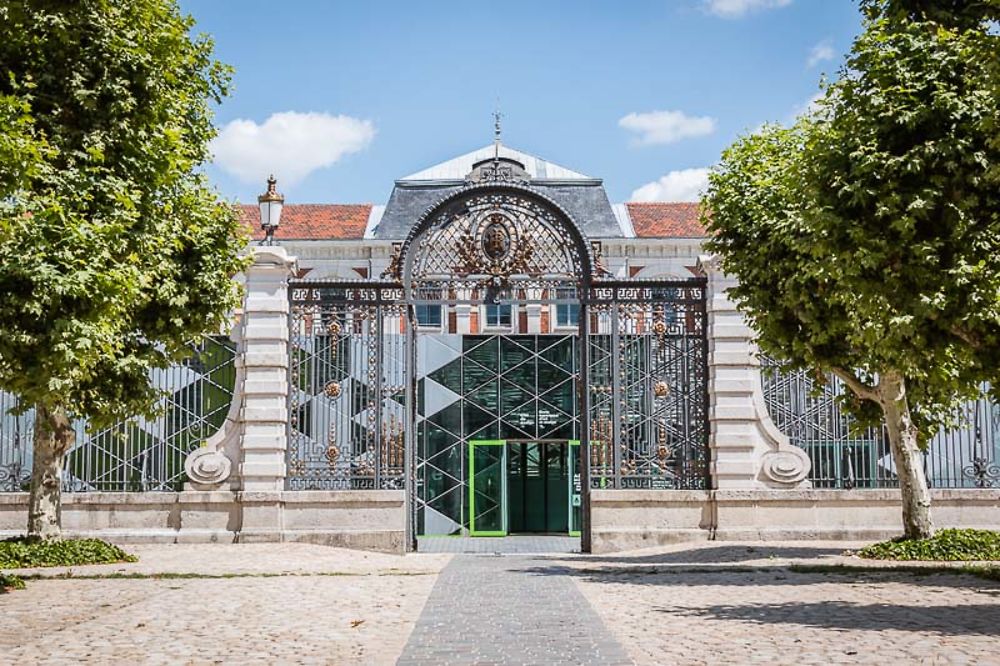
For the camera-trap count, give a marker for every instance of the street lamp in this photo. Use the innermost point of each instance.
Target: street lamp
(270, 204)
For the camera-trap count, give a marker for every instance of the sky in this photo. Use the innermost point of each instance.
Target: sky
(338, 99)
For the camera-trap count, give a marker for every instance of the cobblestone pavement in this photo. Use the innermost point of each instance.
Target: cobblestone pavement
(255, 558)
(485, 610)
(268, 603)
(709, 603)
(739, 604)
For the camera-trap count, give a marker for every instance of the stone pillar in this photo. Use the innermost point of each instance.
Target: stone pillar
(748, 451)
(265, 387)
(534, 312)
(463, 318)
(258, 412)
(264, 423)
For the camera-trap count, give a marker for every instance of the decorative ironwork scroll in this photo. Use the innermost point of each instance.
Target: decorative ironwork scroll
(138, 454)
(347, 394)
(965, 456)
(496, 241)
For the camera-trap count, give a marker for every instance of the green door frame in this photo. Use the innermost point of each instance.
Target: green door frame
(473, 443)
(569, 455)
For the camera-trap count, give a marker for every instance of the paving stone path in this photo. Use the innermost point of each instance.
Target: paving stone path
(524, 544)
(710, 603)
(489, 609)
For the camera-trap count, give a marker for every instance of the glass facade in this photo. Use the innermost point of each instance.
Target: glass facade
(517, 389)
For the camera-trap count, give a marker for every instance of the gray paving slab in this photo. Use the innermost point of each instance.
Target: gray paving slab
(499, 609)
(533, 544)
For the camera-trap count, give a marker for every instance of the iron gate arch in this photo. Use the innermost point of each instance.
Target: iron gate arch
(358, 398)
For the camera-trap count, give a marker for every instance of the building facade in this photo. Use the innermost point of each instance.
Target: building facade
(496, 350)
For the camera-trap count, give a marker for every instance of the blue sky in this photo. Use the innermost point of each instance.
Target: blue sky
(644, 94)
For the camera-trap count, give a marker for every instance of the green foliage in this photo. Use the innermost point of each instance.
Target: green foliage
(952, 545)
(866, 238)
(8, 582)
(115, 253)
(19, 552)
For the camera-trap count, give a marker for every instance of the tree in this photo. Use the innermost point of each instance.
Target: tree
(115, 254)
(866, 238)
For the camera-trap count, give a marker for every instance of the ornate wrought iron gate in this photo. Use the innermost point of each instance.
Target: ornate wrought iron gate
(647, 384)
(381, 398)
(348, 390)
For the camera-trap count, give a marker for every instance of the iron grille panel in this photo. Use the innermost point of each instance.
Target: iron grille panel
(137, 454)
(647, 383)
(962, 457)
(347, 387)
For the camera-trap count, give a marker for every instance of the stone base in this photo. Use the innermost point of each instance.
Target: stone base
(362, 519)
(632, 519)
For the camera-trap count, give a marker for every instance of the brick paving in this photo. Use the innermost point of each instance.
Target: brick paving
(487, 610)
(709, 603)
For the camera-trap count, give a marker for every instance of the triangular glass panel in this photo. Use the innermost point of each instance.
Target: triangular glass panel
(515, 351)
(449, 375)
(486, 354)
(486, 396)
(512, 396)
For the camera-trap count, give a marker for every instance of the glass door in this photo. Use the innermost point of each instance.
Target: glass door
(488, 487)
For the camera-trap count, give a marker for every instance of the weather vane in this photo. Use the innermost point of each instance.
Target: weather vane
(496, 132)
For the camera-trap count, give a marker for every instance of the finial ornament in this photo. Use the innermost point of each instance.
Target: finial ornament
(496, 132)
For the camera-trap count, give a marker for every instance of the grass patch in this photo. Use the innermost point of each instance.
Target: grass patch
(168, 575)
(8, 583)
(21, 553)
(951, 545)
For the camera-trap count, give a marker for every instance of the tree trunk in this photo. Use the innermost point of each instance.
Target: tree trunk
(907, 456)
(53, 438)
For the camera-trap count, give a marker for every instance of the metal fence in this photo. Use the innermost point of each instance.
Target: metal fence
(965, 456)
(137, 454)
(347, 393)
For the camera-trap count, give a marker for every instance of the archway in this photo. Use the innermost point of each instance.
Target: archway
(493, 276)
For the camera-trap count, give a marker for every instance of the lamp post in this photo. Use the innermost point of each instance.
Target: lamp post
(270, 204)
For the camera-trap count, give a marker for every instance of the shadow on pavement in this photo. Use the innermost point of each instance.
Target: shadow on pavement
(976, 619)
(739, 575)
(721, 554)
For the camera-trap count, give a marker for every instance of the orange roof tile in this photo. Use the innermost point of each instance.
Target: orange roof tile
(666, 220)
(313, 221)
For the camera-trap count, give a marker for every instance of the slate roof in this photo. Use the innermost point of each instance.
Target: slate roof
(666, 220)
(313, 221)
(586, 202)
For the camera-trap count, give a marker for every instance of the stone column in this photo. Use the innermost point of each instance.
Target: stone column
(265, 388)
(463, 318)
(533, 311)
(748, 451)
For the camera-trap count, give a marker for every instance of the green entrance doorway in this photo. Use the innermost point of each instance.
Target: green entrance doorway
(518, 487)
(538, 484)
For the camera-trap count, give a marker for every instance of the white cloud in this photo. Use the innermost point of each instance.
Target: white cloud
(683, 185)
(660, 127)
(290, 145)
(738, 8)
(820, 52)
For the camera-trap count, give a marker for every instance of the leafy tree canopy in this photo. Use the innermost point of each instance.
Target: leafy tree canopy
(115, 254)
(866, 238)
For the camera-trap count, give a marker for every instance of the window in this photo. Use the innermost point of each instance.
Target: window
(567, 314)
(498, 316)
(428, 315)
